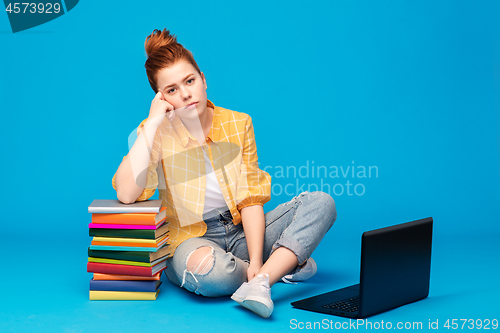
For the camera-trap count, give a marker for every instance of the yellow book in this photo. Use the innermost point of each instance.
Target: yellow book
(129, 240)
(98, 295)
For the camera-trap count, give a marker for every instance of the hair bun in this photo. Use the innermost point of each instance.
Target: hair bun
(158, 39)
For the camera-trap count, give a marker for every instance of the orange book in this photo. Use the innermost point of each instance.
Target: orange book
(113, 277)
(130, 218)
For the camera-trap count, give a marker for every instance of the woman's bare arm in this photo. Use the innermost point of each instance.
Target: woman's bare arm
(131, 176)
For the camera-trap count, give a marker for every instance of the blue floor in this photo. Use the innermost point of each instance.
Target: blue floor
(46, 290)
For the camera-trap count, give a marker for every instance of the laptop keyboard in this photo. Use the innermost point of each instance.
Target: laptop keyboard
(345, 305)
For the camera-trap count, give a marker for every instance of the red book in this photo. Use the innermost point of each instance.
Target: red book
(97, 267)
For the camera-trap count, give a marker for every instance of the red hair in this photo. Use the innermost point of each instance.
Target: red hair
(164, 51)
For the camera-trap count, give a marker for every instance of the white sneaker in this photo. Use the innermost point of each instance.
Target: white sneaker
(302, 273)
(256, 296)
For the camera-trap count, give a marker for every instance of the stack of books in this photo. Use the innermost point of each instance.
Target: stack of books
(128, 251)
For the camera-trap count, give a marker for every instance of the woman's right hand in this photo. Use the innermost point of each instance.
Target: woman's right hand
(159, 108)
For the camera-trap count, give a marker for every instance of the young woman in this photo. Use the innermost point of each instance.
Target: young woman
(203, 160)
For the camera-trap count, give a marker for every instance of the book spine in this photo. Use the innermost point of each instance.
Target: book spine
(95, 267)
(122, 248)
(122, 210)
(124, 233)
(121, 262)
(121, 255)
(99, 295)
(128, 244)
(124, 218)
(150, 286)
(123, 226)
(116, 277)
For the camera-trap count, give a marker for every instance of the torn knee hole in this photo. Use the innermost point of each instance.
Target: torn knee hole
(201, 260)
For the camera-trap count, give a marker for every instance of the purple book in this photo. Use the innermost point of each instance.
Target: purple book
(109, 285)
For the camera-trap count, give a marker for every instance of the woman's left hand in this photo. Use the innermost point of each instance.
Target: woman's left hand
(253, 269)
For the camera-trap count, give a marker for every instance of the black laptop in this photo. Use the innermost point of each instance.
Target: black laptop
(395, 270)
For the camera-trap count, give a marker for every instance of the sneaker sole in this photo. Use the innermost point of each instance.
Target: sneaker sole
(307, 276)
(237, 299)
(258, 305)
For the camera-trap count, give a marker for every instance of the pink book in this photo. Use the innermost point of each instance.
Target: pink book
(122, 226)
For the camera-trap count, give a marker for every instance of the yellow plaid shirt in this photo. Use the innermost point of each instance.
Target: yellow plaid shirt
(181, 180)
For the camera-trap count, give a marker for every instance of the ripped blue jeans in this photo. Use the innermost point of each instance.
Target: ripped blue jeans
(298, 225)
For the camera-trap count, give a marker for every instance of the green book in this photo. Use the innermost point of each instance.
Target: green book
(129, 233)
(120, 262)
(138, 256)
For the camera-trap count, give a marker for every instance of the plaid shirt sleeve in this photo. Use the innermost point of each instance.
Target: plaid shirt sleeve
(254, 184)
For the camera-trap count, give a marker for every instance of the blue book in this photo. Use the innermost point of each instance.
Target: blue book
(107, 285)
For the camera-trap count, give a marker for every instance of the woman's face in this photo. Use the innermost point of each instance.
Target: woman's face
(181, 86)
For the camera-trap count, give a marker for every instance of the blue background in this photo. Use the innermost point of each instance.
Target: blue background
(409, 87)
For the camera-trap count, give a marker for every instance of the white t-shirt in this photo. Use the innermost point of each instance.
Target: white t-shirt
(213, 194)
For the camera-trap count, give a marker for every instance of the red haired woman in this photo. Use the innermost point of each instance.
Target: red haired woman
(203, 160)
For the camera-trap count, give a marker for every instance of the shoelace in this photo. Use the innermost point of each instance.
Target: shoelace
(287, 281)
(264, 286)
(266, 289)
